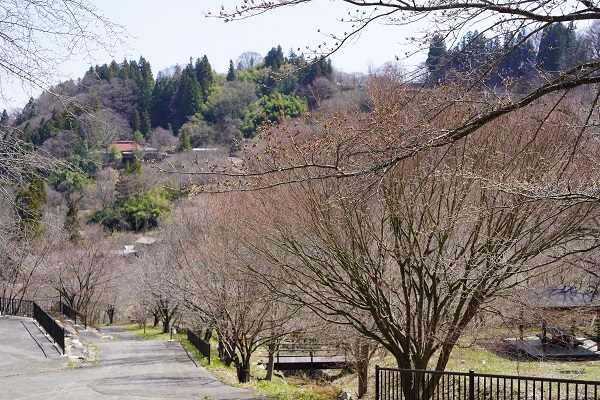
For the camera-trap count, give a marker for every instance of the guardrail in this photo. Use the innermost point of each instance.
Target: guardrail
(72, 314)
(402, 384)
(13, 306)
(53, 329)
(202, 346)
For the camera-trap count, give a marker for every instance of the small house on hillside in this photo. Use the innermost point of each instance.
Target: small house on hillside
(127, 148)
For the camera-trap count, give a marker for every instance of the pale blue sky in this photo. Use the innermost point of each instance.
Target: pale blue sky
(170, 32)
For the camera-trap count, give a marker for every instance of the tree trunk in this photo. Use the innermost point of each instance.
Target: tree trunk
(207, 334)
(166, 320)
(225, 355)
(243, 370)
(110, 311)
(363, 369)
(271, 362)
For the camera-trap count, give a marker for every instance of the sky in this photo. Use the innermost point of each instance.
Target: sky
(169, 32)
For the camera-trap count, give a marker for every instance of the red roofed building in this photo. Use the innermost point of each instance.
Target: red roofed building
(126, 148)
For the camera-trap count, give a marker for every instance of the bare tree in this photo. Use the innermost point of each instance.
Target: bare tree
(248, 60)
(592, 40)
(37, 37)
(102, 194)
(102, 128)
(410, 256)
(20, 271)
(154, 296)
(82, 273)
(17, 163)
(501, 21)
(201, 267)
(162, 140)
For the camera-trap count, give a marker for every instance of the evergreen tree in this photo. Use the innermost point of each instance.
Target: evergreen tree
(146, 125)
(72, 222)
(37, 189)
(4, 118)
(136, 122)
(518, 63)
(185, 140)
(29, 111)
(293, 58)
(436, 59)
(230, 73)
(28, 204)
(163, 100)
(274, 58)
(316, 69)
(145, 83)
(124, 70)
(133, 167)
(472, 55)
(102, 72)
(553, 50)
(188, 100)
(205, 77)
(113, 70)
(121, 191)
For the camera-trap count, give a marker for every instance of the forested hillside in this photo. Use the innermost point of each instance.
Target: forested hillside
(211, 108)
(184, 107)
(191, 106)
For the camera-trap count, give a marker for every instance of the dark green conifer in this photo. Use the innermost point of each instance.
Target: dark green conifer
(72, 222)
(28, 204)
(4, 118)
(205, 77)
(436, 59)
(557, 45)
(185, 141)
(136, 122)
(231, 72)
(146, 125)
(274, 58)
(188, 100)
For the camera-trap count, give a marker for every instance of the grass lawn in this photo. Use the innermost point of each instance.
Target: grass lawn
(154, 333)
(484, 358)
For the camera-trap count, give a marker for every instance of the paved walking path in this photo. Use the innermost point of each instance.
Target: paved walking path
(123, 368)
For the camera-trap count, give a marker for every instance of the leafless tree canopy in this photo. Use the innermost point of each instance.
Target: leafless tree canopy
(82, 273)
(497, 20)
(38, 36)
(409, 256)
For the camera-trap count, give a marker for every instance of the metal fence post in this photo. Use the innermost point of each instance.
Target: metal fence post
(471, 385)
(377, 382)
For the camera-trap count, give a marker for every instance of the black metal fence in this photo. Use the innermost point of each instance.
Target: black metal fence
(202, 346)
(20, 307)
(399, 384)
(53, 329)
(72, 314)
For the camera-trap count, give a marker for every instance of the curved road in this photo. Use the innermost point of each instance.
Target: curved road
(126, 368)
